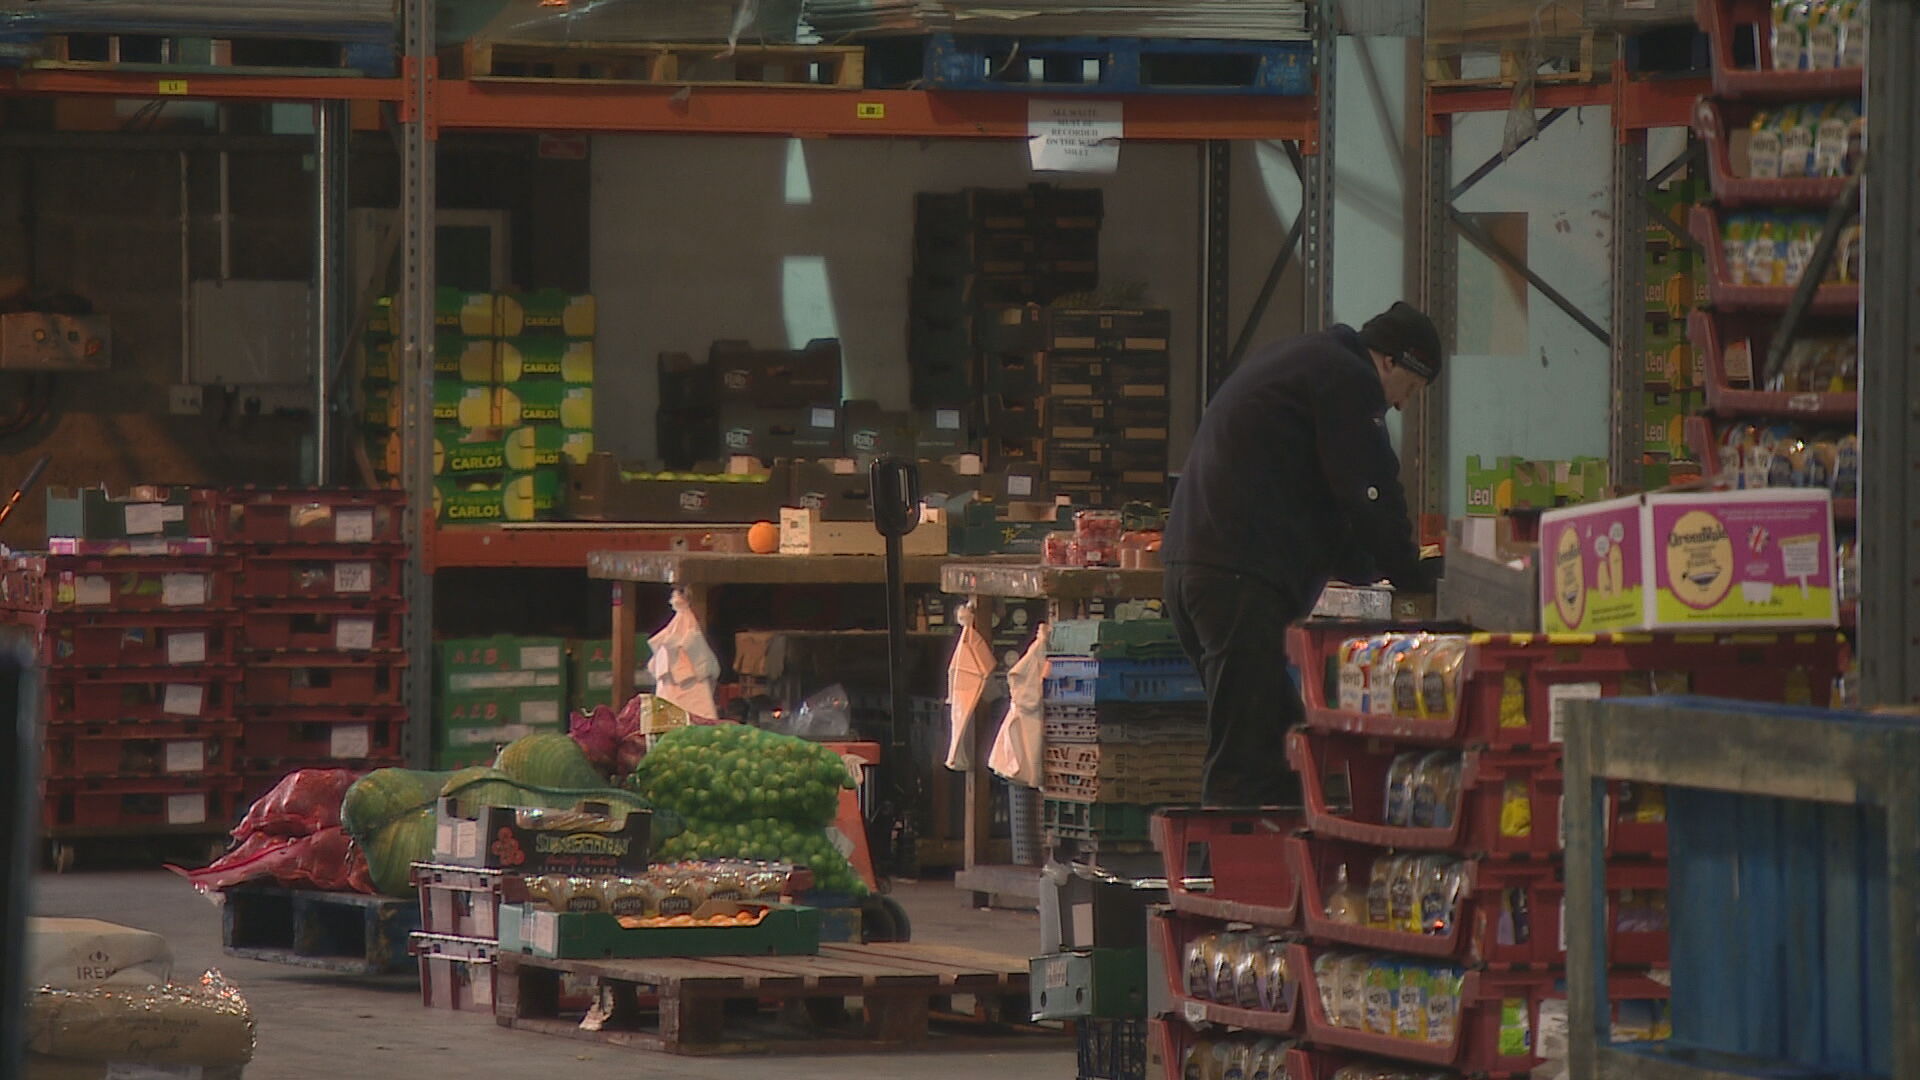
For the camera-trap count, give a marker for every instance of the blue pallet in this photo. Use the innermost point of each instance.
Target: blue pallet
(1073, 680)
(1778, 912)
(1095, 65)
(364, 49)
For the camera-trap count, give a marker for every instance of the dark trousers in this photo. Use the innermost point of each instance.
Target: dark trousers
(1234, 628)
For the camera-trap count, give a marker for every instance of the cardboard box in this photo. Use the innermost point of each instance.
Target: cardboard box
(1533, 484)
(551, 404)
(461, 737)
(471, 314)
(803, 532)
(459, 358)
(545, 359)
(777, 378)
(1489, 488)
(1690, 561)
(144, 512)
(590, 670)
(490, 498)
(777, 434)
(836, 488)
(78, 954)
(600, 490)
(546, 313)
(687, 385)
(498, 654)
(786, 930)
(493, 837)
(460, 450)
(463, 404)
(871, 431)
(939, 432)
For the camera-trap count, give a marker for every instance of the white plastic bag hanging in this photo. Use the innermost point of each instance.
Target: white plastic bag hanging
(1021, 745)
(967, 676)
(683, 665)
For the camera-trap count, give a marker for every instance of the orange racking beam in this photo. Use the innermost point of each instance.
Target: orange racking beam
(190, 85)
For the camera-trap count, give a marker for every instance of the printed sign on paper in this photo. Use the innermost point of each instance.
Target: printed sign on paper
(1074, 136)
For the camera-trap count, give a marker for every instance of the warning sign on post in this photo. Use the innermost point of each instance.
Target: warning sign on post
(1074, 136)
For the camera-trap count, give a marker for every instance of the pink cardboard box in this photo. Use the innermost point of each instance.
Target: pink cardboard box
(1690, 561)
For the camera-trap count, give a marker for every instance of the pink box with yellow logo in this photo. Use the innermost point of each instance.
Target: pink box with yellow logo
(1717, 560)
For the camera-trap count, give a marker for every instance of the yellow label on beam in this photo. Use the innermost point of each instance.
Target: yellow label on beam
(870, 110)
(173, 86)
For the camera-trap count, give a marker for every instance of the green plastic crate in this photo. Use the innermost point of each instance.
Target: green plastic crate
(1109, 639)
(1113, 823)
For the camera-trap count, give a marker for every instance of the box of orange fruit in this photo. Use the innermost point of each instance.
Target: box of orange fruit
(715, 928)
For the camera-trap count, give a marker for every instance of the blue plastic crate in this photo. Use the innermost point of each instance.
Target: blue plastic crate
(1097, 65)
(1075, 680)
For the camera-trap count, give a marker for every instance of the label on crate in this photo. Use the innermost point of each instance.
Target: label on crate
(1056, 973)
(187, 756)
(483, 916)
(824, 418)
(1554, 1042)
(1195, 1012)
(353, 526)
(1019, 486)
(350, 741)
(466, 839)
(187, 647)
(144, 518)
(352, 577)
(92, 590)
(189, 808)
(539, 657)
(540, 713)
(1558, 695)
(147, 547)
(543, 931)
(183, 590)
(1563, 924)
(183, 699)
(355, 634)
(482, 982)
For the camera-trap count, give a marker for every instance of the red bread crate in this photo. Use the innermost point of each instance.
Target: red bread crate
(455, 972)
(312, 516)
(1477, 825)
(324, 738)
(149, 804)
(1512, 686)
(1829, 299)
(1244, 850)
(1476, 1046)
(1172, 931)
(1635, 813)
(460, 900)
(1169, 1042)
(1483, 931)
(323, 679)
(1728, 20)
(128, 750)
(150, 639)
(119, 583)
(1712, 333)
(323, 626)
(379, 574)
(1636, 915)
(140, 695)
(1715, 122)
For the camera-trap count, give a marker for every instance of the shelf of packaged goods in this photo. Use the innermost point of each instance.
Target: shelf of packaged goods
(1700, 440)
(532, 106)
(1828, 300)
(1715, 122)
(564, 545)
(200, 84)
(1703, 329)
(1722, 20)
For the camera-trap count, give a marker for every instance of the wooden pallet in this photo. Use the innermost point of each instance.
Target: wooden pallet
(906, 1000)
(348, 933)
(1589, 62)
(788, 66)
(177, 54)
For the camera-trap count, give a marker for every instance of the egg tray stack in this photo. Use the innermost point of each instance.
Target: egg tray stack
(1431, 867)
(136, 644)
(321, 586)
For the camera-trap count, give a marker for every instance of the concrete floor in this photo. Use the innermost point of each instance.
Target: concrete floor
(313, 1025)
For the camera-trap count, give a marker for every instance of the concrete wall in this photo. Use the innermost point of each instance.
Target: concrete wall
(778, 240)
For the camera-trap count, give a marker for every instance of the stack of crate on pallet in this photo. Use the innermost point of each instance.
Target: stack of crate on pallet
(322, 585)
(133, 624)
(1125, 729)
(1083, 393)
(1429, 878)
(493, 690)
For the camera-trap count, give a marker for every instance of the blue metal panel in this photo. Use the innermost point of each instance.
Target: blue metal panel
(1843, 957)
(1802, 925)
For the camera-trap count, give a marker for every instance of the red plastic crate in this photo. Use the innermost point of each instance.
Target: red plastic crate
(312, 516)
(1828, 299)
(1476, 826)
(1710, 333)
(1171, 933)
(1511, 684)
(324, 626)
(1168, 1042)
(378, 575)
(1626, 835)
(302, 679)
(152, 639)
(336, 739)
(119, 583)
(1723, 19)
(1628, 945)
(459, 900)
(134, 807)
(1243, 850)
(1476, 1046)
(1715, 122)
(139, 695)
(127, 750)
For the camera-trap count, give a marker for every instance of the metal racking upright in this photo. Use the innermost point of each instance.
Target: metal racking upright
(430, 105)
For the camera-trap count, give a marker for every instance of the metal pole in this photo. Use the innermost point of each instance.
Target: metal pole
(327, 204)
(1423, 459)
(1628, 405)
(1317, 196)
(416, 343)
(1889, 639)
(1215, 316)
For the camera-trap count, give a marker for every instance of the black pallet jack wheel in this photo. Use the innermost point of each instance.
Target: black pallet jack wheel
(883, 919)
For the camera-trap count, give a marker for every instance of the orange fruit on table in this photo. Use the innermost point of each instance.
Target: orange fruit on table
(763, 538)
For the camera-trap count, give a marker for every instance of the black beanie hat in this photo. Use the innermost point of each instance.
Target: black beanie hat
(1404, 328)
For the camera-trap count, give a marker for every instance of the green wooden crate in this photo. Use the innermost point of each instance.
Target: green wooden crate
(574, 935)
